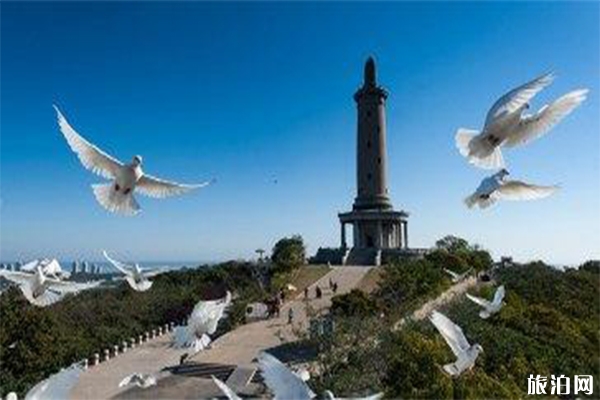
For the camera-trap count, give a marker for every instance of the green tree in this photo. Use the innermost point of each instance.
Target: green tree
(288, 254)
(452, 244)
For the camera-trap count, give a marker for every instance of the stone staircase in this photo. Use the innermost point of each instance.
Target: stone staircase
(366, 256)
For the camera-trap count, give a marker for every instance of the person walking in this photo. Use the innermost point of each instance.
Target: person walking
(335, 287)
(290, 316)
(318, 292)
(306, 293)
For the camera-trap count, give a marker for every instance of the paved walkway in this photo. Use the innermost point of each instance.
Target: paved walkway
(243, 344)
(238, 347)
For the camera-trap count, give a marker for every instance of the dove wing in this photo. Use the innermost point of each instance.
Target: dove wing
(281, 380)
(30, 266)
(90, 156)
(69, 287)
(451, 273)
(151, 186)
(517, 190)
(155, 271)
(517, 98)
(18, 277)
(534, 126)
(230, 394)
(47, 298)
(478, 300)
(122, 267)
(57, 386)
(451, 332)
(499, 295)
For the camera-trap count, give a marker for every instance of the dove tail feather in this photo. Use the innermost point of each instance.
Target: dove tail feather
(45, 299)
(463, 139)
(451, 369)
(114, 201)
(471, 200)
(479, 152)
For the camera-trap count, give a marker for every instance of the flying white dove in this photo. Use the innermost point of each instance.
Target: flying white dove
(202, 322)
(49, 267)
(456, 277)
(141, 380)
(287, 384)
(492, 307)
(57, 386)
(227, 391)
(137, 278)
(495, 187)
(117, 196)
(42, 290)
(507, 125)
(465, 353)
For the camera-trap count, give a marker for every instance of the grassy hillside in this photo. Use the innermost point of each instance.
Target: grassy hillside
(549, 325)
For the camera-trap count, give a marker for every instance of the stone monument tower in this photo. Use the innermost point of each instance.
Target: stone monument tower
(377, 228)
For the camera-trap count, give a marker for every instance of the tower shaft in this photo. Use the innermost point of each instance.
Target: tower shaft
(371, 157)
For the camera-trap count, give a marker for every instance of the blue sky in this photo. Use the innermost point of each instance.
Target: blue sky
(245, 92)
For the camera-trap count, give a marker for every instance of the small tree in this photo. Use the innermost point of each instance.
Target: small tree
(473, 255)
(288, 254)
(452, 244)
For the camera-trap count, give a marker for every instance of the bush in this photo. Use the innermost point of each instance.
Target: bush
(356, 303)
(404, 285)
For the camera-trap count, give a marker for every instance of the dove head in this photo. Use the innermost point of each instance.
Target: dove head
(137, 160)
(502, 173)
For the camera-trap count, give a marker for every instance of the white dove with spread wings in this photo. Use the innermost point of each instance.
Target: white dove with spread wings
(202, 322)
(117, 196)
(137, 277)
(492, 307)
(507, 125)
(465, 353)
(496, 187)
(41, 290)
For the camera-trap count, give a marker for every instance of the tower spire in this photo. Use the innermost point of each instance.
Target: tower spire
(370, 74)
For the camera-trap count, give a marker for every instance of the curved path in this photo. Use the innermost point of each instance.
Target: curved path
(238, 347)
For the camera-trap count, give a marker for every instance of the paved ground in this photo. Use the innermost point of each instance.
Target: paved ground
(238, 347)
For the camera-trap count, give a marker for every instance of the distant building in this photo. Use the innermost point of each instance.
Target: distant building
(378, 231)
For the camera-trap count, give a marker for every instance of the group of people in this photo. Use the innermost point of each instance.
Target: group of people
(333, 286)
